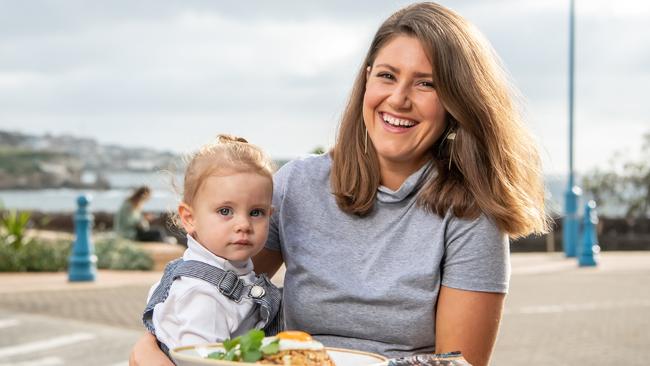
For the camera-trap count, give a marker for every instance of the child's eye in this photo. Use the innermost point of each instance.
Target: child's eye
(225, 211)
(257, 212)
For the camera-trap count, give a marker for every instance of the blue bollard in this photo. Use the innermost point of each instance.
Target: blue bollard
(589, 241)
(571, 222)
(82, 264)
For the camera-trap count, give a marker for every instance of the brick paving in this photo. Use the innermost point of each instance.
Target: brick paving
(578, 316)
(556, 313)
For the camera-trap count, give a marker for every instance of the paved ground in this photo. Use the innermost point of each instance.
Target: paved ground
(556, 314)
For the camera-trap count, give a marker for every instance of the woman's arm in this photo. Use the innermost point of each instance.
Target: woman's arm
(267, 261)
(468, 321)
(146, 352)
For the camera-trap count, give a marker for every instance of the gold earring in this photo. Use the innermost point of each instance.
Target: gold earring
(451, 136)
(365, 142)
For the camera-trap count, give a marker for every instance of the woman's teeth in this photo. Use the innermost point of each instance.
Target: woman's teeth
(397, 121)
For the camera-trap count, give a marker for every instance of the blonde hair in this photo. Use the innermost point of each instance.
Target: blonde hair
(492, 165)
(228, 155)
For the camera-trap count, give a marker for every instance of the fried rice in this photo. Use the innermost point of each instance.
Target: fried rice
(299, 358)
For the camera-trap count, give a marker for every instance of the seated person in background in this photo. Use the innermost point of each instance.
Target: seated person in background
(129, 221)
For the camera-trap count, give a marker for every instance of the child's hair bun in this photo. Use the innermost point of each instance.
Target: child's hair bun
(224, 139)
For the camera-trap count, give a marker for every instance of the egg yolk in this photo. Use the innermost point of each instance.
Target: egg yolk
(294, 335)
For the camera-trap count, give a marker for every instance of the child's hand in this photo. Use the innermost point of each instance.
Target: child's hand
(146, 353)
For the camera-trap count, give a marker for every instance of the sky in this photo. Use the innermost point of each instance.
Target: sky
(171, 75)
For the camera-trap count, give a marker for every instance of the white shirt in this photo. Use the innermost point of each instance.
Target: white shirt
(195, 312)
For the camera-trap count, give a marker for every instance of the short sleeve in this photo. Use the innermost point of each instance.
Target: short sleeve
(280, 182)
(477, 256)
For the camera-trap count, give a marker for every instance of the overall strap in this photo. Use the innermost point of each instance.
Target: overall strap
(262, 292)
(160, 293)
(270, 306)
(227, 282)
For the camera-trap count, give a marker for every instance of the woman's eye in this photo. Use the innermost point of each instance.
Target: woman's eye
(427, 84)
(257, 212)
(386, 75)
(225, 211)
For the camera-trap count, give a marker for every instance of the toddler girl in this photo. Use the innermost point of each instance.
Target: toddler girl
(212, 293)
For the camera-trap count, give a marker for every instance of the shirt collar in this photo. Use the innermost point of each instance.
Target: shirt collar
(410, 185)
(196, 251)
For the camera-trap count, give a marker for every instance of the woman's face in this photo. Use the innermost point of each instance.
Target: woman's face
(401, 109)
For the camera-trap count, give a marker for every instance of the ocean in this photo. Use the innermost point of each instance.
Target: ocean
(64, 200)
(163, 195)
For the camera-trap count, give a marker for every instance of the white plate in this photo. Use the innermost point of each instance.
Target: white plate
(195, 356)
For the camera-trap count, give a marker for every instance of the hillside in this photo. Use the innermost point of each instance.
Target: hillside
(49, 161)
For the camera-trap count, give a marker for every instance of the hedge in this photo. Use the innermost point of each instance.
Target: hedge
(50, 256)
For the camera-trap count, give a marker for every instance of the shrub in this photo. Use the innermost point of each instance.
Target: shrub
(13, 227)
(35, 256)
(121, 254)
(39, 255)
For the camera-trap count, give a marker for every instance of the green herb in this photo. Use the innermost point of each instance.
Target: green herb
(216, 355)
(250, 344)
(271, 348)
(246, 348)
(251, 356)
(229, 344)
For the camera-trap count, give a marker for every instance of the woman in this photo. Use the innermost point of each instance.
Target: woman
(130, 223)
(397, 241)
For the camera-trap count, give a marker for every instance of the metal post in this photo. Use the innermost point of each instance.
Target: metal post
(589, 241)
(570, 221)
(82, 264)
(550, 242)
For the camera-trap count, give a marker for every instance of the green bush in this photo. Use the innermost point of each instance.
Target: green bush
(35, 256)
(121, 254)
(51, 256)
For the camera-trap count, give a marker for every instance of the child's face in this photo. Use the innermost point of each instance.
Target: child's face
(230, 215)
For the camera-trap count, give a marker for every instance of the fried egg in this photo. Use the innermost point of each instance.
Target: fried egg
(295, 340)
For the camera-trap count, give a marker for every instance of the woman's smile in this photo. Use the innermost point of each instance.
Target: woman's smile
(394, 123)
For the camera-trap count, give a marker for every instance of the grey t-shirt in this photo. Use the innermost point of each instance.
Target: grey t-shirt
(372, 283)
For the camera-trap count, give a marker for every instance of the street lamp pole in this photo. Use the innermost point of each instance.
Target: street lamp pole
(570, 221)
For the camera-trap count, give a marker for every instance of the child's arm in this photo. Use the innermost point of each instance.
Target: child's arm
(146, 353)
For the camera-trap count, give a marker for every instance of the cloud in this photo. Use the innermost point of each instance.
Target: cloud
(172, 74)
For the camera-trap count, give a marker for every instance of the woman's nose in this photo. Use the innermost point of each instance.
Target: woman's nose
(399, 98)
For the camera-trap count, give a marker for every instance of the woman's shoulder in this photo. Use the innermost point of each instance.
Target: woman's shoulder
(479, 222)
(306, 167)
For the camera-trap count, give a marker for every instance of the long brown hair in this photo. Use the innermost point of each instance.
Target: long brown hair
(492, 165)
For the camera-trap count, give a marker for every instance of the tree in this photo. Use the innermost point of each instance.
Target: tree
(624, 183)
(318, 150)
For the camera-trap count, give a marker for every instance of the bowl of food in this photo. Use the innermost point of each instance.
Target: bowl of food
(293, 348)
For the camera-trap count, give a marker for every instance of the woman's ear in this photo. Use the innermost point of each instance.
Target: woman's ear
(187, 217)
(368, 72)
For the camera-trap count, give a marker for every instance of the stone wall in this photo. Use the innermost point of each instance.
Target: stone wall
(613, 234)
